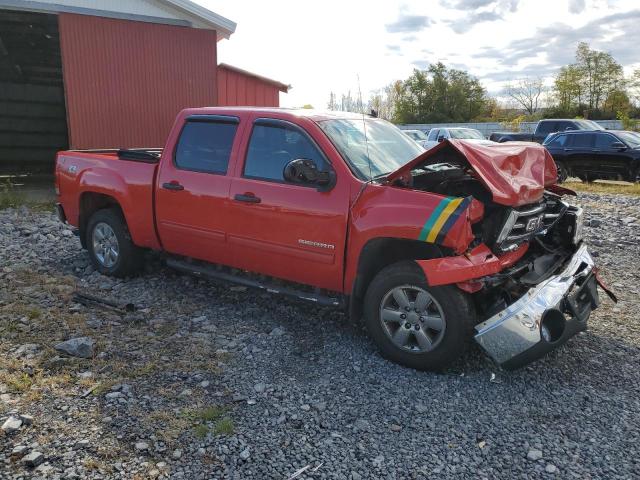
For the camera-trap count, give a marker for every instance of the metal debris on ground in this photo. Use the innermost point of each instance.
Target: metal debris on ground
(92, 301)
(300, 471)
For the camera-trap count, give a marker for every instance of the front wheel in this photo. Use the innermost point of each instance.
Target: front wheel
(422, 327)
(562, 172)
(111, 249)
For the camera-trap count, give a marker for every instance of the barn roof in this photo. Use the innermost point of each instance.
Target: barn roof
(283, 87)
(174, 12)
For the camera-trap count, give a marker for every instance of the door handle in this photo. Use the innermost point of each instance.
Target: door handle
(172, 186)
(247, 197)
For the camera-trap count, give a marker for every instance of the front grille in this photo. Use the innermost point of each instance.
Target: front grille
(524, 223)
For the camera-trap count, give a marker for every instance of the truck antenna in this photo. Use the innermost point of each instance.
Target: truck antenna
(364, 127)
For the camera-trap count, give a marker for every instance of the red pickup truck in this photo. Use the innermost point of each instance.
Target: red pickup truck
(430, 248)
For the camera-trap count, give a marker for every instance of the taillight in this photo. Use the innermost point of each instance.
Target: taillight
(56, 177)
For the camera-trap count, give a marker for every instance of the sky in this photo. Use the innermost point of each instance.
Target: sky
(339, 46)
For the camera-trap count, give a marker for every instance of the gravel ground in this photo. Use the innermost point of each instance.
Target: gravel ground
(214, 381)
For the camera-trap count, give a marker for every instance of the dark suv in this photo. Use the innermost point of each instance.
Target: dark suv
(609, 155)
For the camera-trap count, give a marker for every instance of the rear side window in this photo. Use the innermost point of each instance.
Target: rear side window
(273, 145)
(433, 134)
(205, 146)
(583, 140)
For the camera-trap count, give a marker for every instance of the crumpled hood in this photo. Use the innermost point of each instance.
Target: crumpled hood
(516, 173)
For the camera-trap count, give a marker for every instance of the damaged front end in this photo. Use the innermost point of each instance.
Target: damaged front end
(544, 317)
(531, 277)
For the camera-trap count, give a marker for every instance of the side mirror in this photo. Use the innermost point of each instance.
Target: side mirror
(305, 171)
(618, 146)
(440, 138)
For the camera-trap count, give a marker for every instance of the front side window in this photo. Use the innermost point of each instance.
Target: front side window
(205, 146)
(433, 134)
(559, 141)
(604, 141)
(589, 125)
(547, 127)
(273, 145)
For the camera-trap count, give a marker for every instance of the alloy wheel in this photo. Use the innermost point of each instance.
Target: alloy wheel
(412, 319)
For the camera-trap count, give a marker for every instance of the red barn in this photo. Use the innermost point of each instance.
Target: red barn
(92, 74)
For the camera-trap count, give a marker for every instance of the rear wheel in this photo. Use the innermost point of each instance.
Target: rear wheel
(415, 325)
(110, 247)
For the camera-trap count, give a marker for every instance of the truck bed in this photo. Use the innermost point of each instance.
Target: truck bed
(128, 175)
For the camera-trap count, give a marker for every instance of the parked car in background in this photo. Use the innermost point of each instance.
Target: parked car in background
(437, 135)
(608, 155)
(417, 135)
(544, 128)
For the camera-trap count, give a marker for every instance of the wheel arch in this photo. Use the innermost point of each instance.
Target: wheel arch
(378, 253)
(91, 202)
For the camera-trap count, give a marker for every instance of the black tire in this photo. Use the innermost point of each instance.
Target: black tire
(129, 258)
(456, 306)
(562, 172)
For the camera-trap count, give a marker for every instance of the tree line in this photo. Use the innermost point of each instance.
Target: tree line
(594, 87)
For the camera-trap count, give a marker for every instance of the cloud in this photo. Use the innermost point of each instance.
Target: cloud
(576, 6)
(615, 33)
(471, 5)
(393, 48)
(478, 11)
(465, 24)
(408, 23)
(421, 64)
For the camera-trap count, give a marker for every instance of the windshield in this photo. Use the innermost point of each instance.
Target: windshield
(630, 138)
(589, 125)
(386, 148)
(465, 133)
(416, 134)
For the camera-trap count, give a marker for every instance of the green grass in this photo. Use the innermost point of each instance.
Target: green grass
(212, 414)
(224, 427)
(19, 383)
(12, 198)
(600, 187)
(201, 430)
(9, 197)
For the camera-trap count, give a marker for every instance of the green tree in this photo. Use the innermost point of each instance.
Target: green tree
(594, 86)
(600, 74)
(568, 90)
(617, 102)
(439, 94)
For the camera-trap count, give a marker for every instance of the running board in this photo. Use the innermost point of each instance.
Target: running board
(213, 273)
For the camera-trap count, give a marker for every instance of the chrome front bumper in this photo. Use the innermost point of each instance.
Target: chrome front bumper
(562, 303)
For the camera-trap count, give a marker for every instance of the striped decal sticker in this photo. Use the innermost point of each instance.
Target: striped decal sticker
(442, 219)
